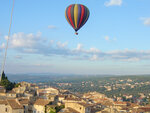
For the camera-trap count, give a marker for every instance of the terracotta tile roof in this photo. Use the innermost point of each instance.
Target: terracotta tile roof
(107, 103)
(14, 104)
(125, 108)
(3, 102)
(133, 105)
(148, 105)
(24, 101)
(41, 102)
(145, 109)
(75, 99)
(85, 104)
(123, 103)
(68, 110)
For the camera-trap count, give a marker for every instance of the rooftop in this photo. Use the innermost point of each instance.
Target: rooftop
(41, 102)
(75, 99)
(24, 101)
(85, 104)
(14, 104)
(3, 102)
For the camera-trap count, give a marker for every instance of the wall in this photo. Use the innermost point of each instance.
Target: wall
(2, 108)
(77, 107)
(38, 108)
(17, 111)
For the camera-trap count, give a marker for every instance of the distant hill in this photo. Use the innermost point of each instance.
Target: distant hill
(47, 77)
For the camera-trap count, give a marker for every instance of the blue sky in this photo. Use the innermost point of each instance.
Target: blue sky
(115, 39)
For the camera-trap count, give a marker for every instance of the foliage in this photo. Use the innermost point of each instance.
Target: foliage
(6, 83)
(58, 108)
(52, 110)
(97, 83)
(17, 85)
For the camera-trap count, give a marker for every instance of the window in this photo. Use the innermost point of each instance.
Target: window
(6, 109)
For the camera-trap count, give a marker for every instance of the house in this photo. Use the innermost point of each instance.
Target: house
(70, 99)
(144, 110)
(26, 105)
(11, 106)
(11, 94)
(20, 89)
(119, 105)
(40, 106)
(61, 97)
(46, 91)
(68, 110)
(50, 97)
(2, 91)
(78, 106)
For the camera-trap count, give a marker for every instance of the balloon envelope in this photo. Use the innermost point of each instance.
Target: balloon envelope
(77, 15)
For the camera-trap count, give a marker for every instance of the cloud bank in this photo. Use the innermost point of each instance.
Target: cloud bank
(36, 44)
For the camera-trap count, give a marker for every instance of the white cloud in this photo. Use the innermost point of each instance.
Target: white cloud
(94, 50)
(134, 59)
(24, 40)
(6, 37)
(146, 21)
(113, 3)
(79, 47)
(52, 27)
(2, 46)
(35, 44)
(94, 57)
(62, 45)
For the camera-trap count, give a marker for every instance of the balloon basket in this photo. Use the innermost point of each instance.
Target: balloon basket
(76, 33)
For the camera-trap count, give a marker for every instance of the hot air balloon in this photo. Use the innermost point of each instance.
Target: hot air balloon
(77, 15)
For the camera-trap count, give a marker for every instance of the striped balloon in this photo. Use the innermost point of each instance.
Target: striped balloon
(77, 15)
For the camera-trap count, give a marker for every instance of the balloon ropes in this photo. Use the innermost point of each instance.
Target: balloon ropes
(5, 55)
(77, 15)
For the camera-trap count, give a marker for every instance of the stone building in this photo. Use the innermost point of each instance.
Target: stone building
(26, 105)
(2, 91)
(79, 107)
(11, 106)
(40, 106)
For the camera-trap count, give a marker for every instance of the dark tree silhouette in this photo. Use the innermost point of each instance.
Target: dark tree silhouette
(6, 83)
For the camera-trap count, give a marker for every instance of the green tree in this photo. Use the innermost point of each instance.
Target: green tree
(52, 110)
(58, 108)
(6, 83)
(3, 76)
